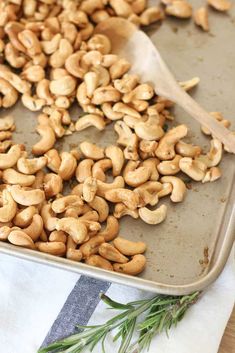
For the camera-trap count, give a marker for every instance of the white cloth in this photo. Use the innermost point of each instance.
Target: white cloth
(32, 295)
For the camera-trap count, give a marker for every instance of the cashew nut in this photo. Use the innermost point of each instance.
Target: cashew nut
(128, 197)
(68, 166)
(214, 156)
(52, 185)
(99, 168)
(90, 120)
(11, 176)
(47, 140)
(100, 42)
(61, 204)
(99, 261)
(53, 160)
(91, 150)
(148, 193)
(31, 166)
(89, 189)
(121, 210)
(35, 228)
(179, 188)
(220, 5)
(135, 175)
(187, 150)
(101, 206)
(91, 247)
(20, 238)
(111, 230)
(133, 267)
(116, 155)
(109, 252)
(9, 159)
(58, 235)
(150, 15)
(63, 86)
(128, 247)
(9, 93)
(6, 123)
(195, 169)
(74, 227)
(170, 167)
(26, 197)
(48, 216)
(33, 103)
(118, 182)
(24, 216)
(53, 248)
(212, 174)
(9, 207)
(153, 217)
(83, 170)
(179, 8)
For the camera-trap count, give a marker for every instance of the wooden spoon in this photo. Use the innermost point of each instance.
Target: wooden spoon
(133, 44)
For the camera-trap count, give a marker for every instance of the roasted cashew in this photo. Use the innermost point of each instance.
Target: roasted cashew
(105, 94)
(179, 8)
(20, 238)
(121, 210)
(187, 85)
(4, 146)
(50, 46)
(47, 140)
(101, 206)
(12, 29)
(33, 103)
(127, 83)
(219, 117)
(116, 155)
(48, 216)
(91, 81)
(99, 42)
(90, 120)
(99, 261)
(212, 174)
(26, 197)
(39, 179)
(121, 8)
(33, 73)
(15, 81)
(135, 175)
(55, 121)
(214, 156)
(119, 68)
(142, 92)
(91, 150)
(153, 217)
(9, 207)
(84, 170)
(147, 148)
(148, 193)
(35, 228)
(53, 160)
(129, 248)
(110, 113)
(91, 247)
(166, 190)
(195, 169)
(73, 254)
(9, 93)
(179, 188)
(68, 166)
(91, 58)
(100, 167)
(91, 6)
(24, 216)
(72, 64)
(170, 167)
(187, 150)
(52, 185)
(58, 235)
(89, 189)
(128, 139)
(43, 91)
(61, 204)
(118, 182)
(5, 231)
(9, 159)
(111, 230)
(58, 58)
(63, 86)
(151, 164)
(31, 166)
(30, 42)
(109, 252)
(149, 130)
(150, 15)
(6, 123)
(128, 197)
(53, 248)
(165, 149)
(133, 267)
(75, 228)
(11, 176)
(220, 5)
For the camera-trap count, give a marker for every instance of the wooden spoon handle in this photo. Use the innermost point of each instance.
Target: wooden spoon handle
(204, 118)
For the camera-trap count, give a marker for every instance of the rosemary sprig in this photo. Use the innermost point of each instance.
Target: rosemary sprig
(161, 313)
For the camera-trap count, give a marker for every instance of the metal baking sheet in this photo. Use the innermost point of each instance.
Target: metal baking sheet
(189, 250)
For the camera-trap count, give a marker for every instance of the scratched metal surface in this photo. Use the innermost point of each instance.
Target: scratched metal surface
(176, 256)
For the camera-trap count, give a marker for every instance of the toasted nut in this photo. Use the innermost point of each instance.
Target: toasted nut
(100, 42)
(214, 156)
(135, 175)
(128, 197)
(148, 193)
(91, 247)
(109, 252)
(9, 159)
(121, 210)
(219, 117)
(26, 197)
(33, 103)
(63, 86)
(179, 8)
(111, 230)
(53, 248)
(133, 267)
(99, 16)
(179, 188)
(34, 73)
(101, 206)
(147, 148)
(68, 166)
(91, 150)
(30, 42)
(25, 216)
(74, 227)
(121, 8)
(119, 68)
(20, 238)
(39, 179)
(58, 235)
(187, 150)
(11, 176)
(165, 149)
(53, 160)
(52, 185)
(220, 5)
(34, 230)
(151, 164)
(128, 139)
(169, 167)
(150, 15)
(6, 123)
(48, 216)
(129, 248)
(58, 58)
(9, 207)
(118, 182)
(116, 155)
(47, 140)
(125, 109)
(187, 85)
(141, 92)
(13, 56)
(5, 231)
(50, 46)
(89, 189)
(43, 92)
(90, 120)
(99, 168)
(63, 203)
(72, 64)
(4, 146)
(92, 58)
(149, 130)
(212, 174)
(9, 93)
(127, 83)
(195, 169)
(153, 217)
(31, 166)
(110, 113)
(166, 190)
(105, 94)
(99, 261)
(74, 254)
(83, 170)
(19, 84)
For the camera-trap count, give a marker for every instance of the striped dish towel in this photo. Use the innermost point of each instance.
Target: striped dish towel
(40, 304)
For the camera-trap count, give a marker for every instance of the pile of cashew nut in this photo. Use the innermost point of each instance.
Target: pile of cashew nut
(51, 58)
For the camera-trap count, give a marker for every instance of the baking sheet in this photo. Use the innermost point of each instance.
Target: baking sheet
(189, 249)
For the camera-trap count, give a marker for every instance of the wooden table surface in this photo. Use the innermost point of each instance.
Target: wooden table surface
(228, 341)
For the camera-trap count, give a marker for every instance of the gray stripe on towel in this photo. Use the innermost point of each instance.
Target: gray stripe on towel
(77, 309)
